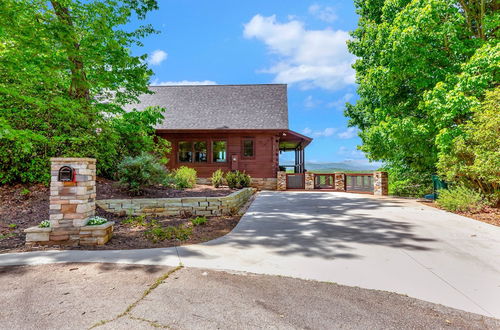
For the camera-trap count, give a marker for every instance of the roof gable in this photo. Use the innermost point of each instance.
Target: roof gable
(219, 106)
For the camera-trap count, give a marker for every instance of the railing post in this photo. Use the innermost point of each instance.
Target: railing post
(340, 181)
(309, 181)
(380, 183)
(281, 182)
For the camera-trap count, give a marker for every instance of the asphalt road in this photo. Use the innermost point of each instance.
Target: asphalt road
(117, 296)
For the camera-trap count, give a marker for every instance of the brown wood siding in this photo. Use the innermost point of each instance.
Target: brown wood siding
(264, 164)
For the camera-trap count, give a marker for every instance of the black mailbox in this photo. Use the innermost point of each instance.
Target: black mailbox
(66, 174)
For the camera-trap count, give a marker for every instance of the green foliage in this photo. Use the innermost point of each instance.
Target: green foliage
(158, 233)
(136, 173)
(422, 67)
(44, 224)
(25, 192)
(140, 221)
(238, 180)
(199, 221)
(8, 235)
(66, 73)
(185, 177)
(461, 199)
(96, 220)
(12, 226)
(474, 156)
(218, 178)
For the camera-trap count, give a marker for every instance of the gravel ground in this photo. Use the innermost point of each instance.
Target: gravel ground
(111, 296)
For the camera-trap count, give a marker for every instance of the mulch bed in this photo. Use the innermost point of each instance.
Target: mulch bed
(107, 189)
(489, 215)
(23, 206)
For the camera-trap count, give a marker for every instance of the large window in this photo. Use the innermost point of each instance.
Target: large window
(219, 149)
(193, 152)
(200, 152)
(248, 148)
(185, 152)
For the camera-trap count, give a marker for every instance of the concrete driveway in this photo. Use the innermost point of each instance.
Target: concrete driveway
(358, 240)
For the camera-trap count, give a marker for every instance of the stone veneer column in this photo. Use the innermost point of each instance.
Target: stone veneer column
(309, 181)
(281, 184)
(340, 181)
(72, 203)
(380, 183)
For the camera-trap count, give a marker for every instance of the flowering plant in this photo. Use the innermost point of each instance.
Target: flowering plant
(94, 221)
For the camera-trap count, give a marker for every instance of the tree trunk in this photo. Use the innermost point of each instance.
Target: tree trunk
(79, 88)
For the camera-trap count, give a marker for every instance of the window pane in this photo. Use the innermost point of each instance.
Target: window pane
(200, 151)
(185, 152)
(247, 148)
(219, 151)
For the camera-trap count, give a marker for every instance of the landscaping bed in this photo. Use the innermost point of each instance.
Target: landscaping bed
(489, 215)
(24, 206)
(107, 189)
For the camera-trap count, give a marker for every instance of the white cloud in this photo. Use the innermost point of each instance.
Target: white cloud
(348, 133)
(310, 102)
(156, 57)
(329, 131)
(310, 58)
(306, 131)
(351, 153)
(323, 13)
(182, 83)
(340, 103)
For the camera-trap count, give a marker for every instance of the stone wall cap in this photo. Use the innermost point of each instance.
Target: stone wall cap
(97, 227)
(36, 229)
(70, 159)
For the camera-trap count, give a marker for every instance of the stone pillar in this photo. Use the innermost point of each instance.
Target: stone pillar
(72, 202)
(309, 181)
(339, 181)
(380, 183)
(281, 184)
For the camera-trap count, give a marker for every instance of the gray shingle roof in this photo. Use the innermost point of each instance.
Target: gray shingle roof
(220, 106)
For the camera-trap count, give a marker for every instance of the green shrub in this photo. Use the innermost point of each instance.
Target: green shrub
(185, 177)
(95, 221)
(237, 179)
(199, 221)
(218, 178)
(158, 233)
(44, 224)
(461, 199)
(136, 173)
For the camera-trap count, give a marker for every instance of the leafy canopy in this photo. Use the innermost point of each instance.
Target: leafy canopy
(423, 67)
(66, 72)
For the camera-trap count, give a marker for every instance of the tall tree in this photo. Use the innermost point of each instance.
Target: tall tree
(66, 69)
(407, 51)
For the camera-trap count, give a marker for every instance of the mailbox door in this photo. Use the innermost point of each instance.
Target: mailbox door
(234, 162)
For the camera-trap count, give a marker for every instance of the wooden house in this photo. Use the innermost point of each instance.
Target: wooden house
(231, 127)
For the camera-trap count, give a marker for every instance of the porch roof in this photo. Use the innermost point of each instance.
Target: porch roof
(291, 140)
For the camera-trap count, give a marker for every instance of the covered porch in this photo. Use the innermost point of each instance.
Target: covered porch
(291, 141)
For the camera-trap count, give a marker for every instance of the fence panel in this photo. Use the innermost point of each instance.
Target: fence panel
(295, 181)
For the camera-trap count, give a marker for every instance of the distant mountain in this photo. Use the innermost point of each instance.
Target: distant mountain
(349, 165)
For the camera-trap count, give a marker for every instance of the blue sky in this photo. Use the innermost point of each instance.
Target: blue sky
(300, 43)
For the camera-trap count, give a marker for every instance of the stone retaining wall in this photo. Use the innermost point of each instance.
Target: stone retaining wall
(202, 206)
